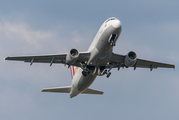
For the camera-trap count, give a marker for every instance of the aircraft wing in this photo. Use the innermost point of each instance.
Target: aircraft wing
(53, 58)
(119, 59)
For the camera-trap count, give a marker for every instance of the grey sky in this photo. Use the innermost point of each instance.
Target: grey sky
(150, 28)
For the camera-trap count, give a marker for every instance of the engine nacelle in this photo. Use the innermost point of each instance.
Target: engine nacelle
(72, 56)
(130, 59)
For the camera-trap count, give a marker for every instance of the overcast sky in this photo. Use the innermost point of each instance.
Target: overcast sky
(150, 28)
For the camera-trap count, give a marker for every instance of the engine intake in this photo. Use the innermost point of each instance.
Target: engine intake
(130, 59)
(72, 56)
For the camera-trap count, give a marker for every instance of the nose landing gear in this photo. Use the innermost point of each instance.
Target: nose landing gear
(112, 39)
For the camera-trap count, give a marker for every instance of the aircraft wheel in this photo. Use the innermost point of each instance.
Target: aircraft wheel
(105, 72)
(84, 73)
(112, 43)
(108, 74)
(88, 72)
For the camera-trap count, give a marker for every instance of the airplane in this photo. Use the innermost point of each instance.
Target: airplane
(98, 60)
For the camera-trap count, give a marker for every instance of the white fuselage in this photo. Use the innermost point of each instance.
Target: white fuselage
(100, 51)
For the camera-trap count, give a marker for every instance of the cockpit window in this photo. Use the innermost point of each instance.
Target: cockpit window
(110, 19)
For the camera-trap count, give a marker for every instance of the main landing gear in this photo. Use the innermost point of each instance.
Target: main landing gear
(108, 73)
(85, 71)
(96, 70)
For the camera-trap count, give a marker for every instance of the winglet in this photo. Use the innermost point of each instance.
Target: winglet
(4, 59)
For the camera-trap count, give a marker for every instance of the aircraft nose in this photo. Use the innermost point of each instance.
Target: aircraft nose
(116, 24)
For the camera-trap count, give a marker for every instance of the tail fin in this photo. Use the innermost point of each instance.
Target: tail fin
(73, 70)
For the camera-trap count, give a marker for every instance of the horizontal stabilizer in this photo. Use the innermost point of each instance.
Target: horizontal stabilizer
(92, 91)
(58, 89)
(67, 89)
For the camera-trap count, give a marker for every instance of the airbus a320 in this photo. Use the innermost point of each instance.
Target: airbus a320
(98, 60)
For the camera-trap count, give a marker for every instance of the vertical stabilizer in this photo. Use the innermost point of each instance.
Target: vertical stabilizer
(73, 70)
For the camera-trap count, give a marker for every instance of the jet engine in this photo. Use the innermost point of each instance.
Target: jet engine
(130, 59)
(72, 56)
